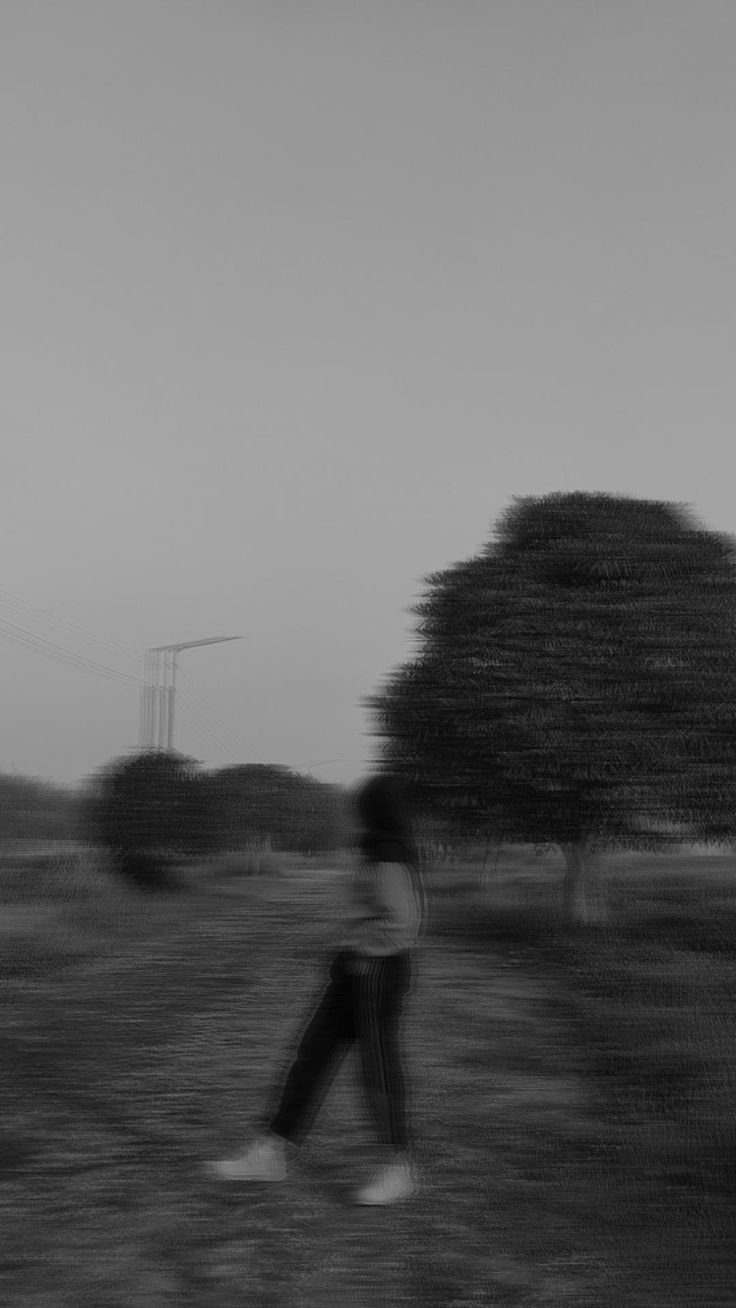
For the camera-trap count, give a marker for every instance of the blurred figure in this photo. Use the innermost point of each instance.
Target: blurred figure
(369, 978)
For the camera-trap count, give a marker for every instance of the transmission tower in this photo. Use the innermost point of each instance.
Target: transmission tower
(158, 692)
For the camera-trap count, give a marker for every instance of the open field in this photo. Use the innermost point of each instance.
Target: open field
(573, 1096)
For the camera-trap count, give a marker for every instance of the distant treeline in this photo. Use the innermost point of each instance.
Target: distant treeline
(229, 808)
(38, 810)
(172, 804)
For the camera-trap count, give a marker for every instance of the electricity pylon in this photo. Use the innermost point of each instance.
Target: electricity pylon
(158, 692)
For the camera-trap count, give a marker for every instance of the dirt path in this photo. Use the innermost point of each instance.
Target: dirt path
(125, 1072)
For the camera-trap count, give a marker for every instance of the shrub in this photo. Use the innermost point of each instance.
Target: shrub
(150, 811)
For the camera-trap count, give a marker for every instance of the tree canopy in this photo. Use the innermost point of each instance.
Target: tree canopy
(259, 801)
(151, 800)
(576, 680)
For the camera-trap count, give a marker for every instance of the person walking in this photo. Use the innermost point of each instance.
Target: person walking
(369, 979)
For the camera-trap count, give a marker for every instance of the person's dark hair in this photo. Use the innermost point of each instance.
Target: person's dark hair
(386, 835)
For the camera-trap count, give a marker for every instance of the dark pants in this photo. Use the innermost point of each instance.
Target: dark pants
(367, 1009)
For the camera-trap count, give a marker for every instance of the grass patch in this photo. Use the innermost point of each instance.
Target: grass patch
(651, 995)
(57, 910)
(572, 1095)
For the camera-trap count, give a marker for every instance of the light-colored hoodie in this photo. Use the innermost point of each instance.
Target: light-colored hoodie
(386, 909)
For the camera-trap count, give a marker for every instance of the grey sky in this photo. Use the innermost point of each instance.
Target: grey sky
(296, 296)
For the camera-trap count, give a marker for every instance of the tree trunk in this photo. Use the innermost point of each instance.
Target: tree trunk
(489, 866)
(582, 887)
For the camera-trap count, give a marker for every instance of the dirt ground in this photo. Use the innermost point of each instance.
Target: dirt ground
(132, 1059)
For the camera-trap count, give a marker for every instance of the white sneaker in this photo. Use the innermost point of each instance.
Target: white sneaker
(265, 1160)
(394, 1183)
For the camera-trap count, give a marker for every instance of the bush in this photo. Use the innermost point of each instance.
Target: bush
(149, 812)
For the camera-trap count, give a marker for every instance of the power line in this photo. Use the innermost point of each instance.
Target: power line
(319, 763)
(227, 733)
(25, 608)
(30, 640)
(203, 726)
(59, 654)
(205, 703)
(197, 732)
(232, 741)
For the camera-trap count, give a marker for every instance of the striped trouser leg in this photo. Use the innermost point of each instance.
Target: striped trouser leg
(322, 1047)
(379, 998)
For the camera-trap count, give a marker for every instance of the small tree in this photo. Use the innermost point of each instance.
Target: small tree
(149, 810)
(576, 683)
(252, 803)
(318, 816)
(271, 804)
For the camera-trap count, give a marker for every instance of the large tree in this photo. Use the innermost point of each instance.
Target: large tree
(575, 682)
